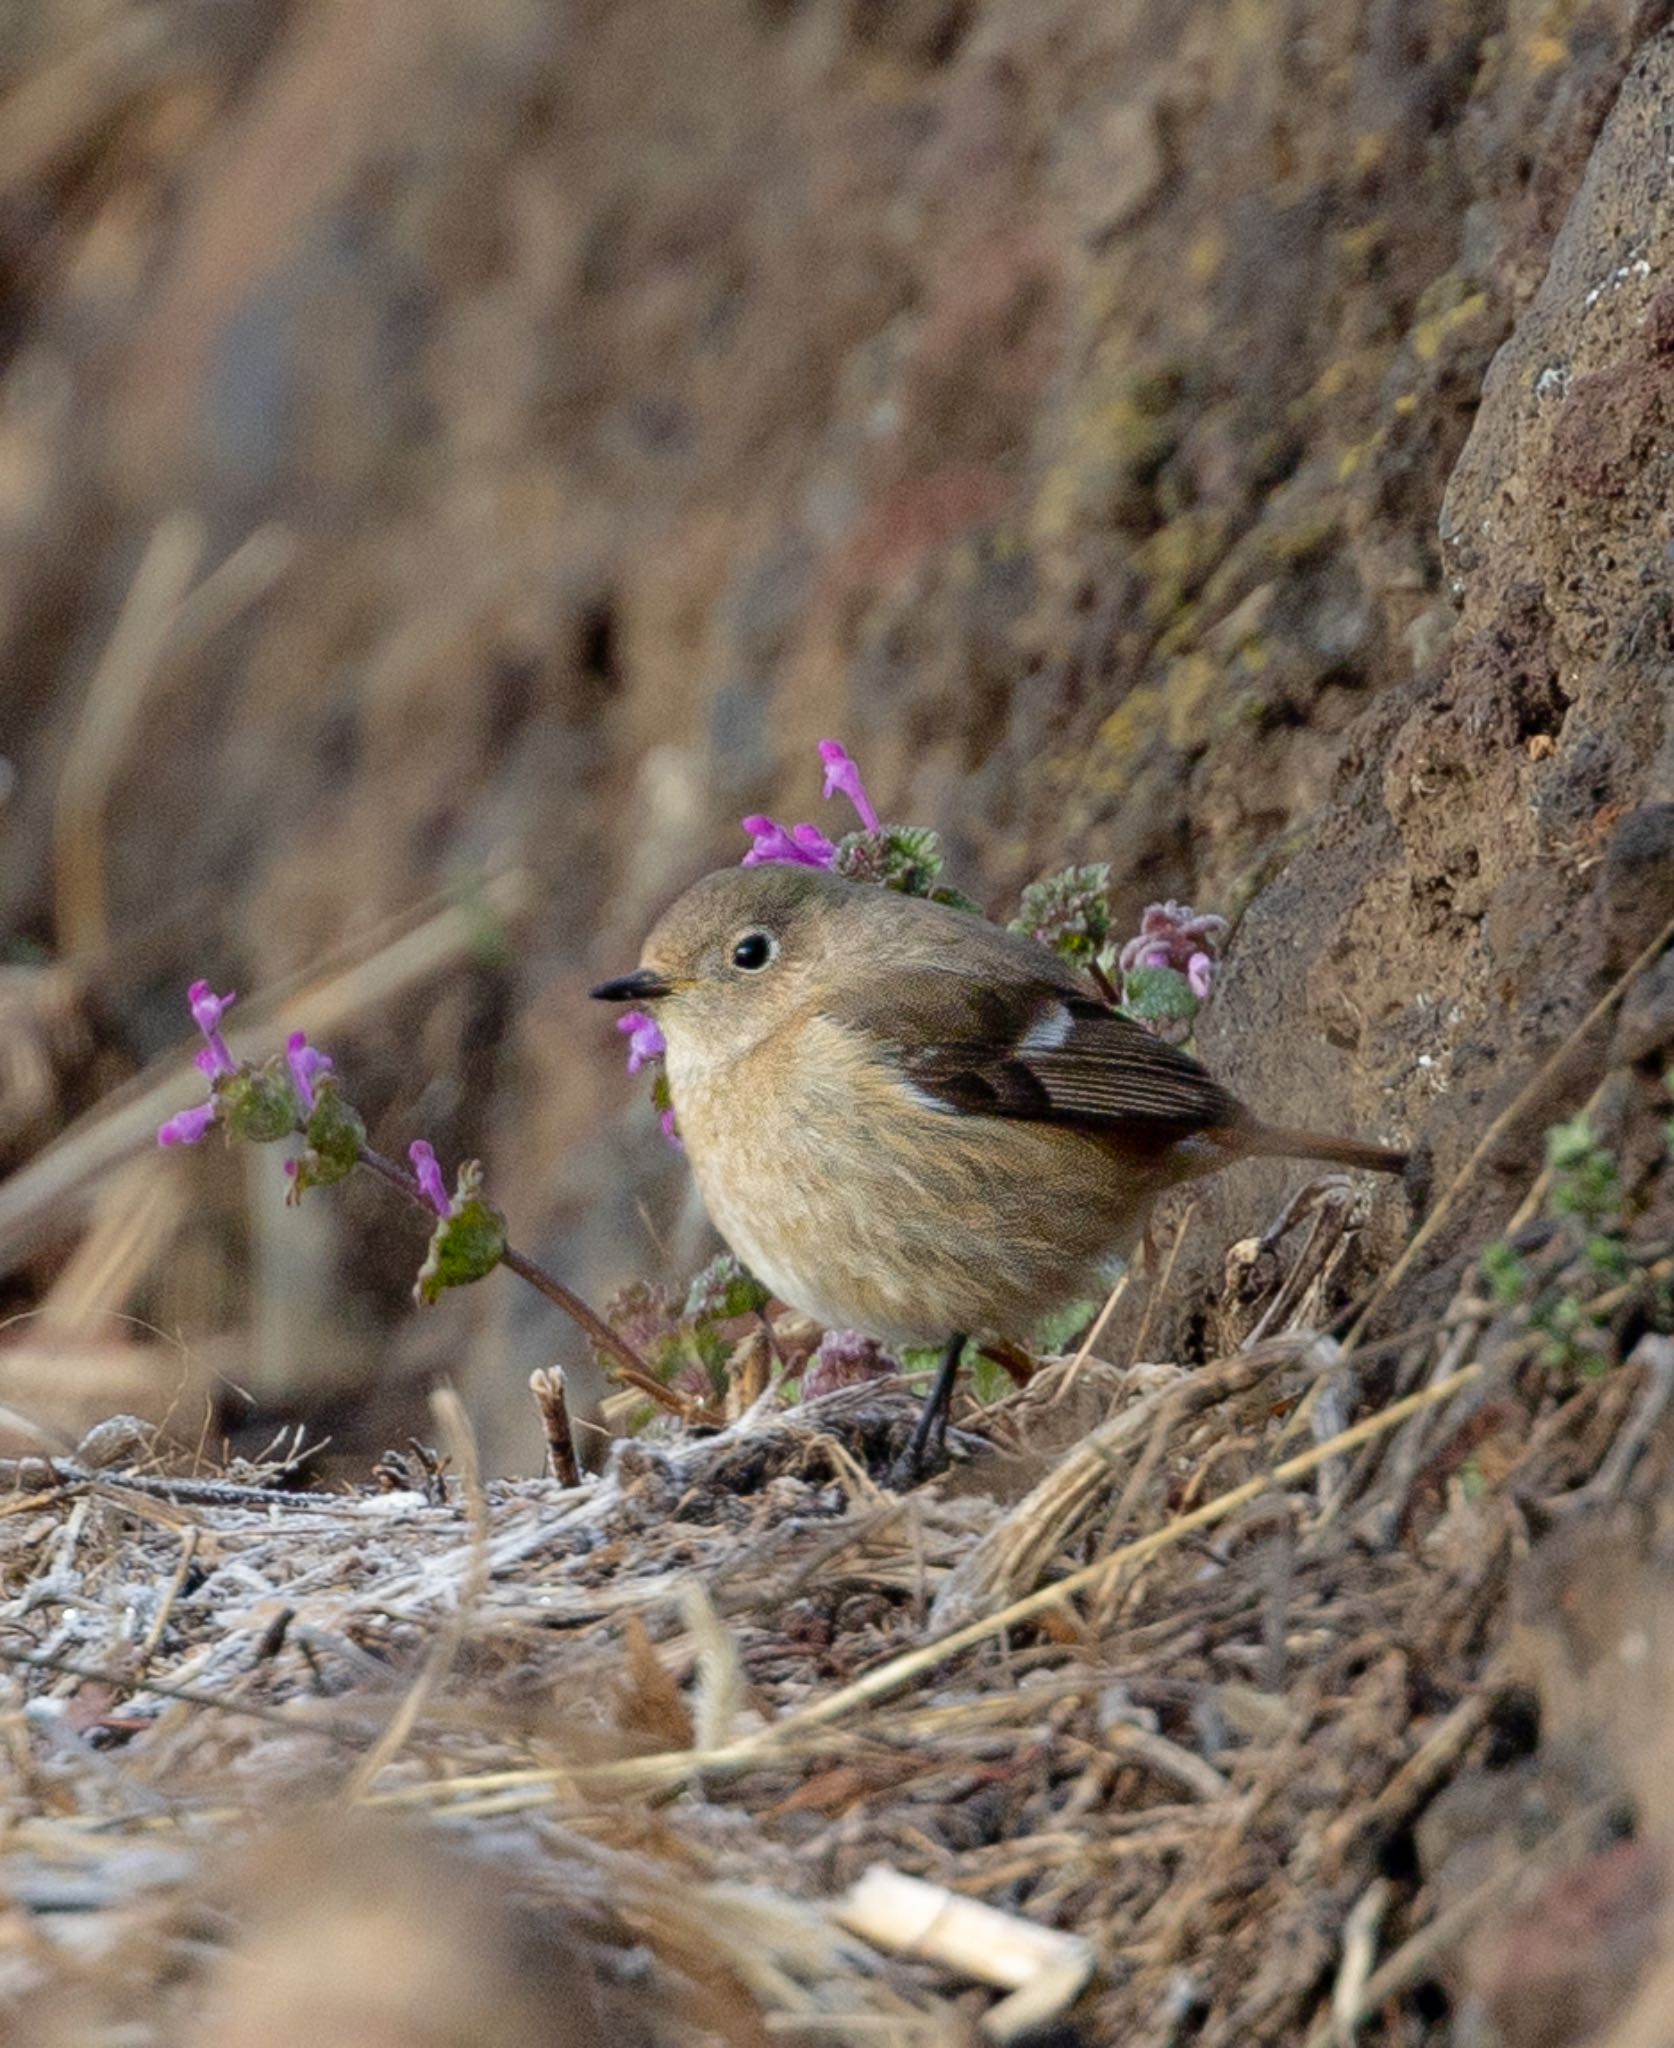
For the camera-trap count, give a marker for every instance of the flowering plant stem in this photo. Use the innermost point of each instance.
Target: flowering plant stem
(634, 1368)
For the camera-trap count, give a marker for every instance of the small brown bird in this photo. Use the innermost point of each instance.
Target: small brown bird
(907, 1121)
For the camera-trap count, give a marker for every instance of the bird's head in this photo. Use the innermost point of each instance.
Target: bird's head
(728, 962)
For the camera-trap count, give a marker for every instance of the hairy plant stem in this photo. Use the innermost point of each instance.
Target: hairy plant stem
(538, 1278)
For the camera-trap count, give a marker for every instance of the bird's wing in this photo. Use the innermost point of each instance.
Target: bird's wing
(1029, 1049)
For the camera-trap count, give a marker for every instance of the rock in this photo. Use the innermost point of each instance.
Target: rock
(1636, 883)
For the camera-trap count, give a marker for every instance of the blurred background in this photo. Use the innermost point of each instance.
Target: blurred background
(454, 460)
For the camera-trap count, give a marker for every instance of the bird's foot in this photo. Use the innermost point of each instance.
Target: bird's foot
(927, 1452)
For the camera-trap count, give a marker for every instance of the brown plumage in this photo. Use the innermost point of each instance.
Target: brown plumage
(910, 1122)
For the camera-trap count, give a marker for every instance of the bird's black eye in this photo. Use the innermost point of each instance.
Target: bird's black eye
(754, 950)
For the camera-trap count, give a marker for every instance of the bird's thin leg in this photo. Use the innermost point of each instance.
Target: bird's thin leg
(932, 1424)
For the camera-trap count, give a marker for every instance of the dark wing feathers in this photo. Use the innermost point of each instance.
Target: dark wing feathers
(1110, 1070)
(1030, 1050)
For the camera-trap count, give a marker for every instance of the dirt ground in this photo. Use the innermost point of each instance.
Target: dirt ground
(454, 462)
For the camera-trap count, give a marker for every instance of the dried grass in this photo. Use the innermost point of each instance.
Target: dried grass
(1180, 1697)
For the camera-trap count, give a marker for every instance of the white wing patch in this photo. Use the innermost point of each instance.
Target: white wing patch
(1049, 1031)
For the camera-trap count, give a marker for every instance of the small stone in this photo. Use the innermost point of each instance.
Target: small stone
(118, 1440)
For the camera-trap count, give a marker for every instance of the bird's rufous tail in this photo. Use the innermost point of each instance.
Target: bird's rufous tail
(1273, 1141)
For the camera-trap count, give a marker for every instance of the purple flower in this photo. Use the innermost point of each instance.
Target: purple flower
(845, 1359)
(645, 1040)
(211, 1059)
(1174, 935)
(188, 1127)
(842, 773)
(306, 1063)
(431, 1184)
(806, 845)
(207, 1011)
(1183, 943)
(647, 1045)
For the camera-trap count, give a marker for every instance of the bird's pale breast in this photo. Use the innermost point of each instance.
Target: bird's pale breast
(866, 1205)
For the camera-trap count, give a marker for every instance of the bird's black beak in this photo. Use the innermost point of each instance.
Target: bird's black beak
(643, 986)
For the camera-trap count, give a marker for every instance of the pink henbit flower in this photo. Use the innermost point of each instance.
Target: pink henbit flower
(431, 1184)
(306, 1063)
(842, 774)
(1174, 935)
(212, 1059)
(844, 1359)
(188, 1127)
(207, 1011)
(646, 1046)
(645, 1042)
(804, 845)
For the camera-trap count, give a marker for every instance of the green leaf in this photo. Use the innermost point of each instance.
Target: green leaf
(259, 1103)
(334, 1137)
(464, 1246)
(1507, 1276)
(1569, 1145)
(704, 1346)
(723, 1290)
(1158, 995)
(1068, 911)
(907, 858)
(989, 1380)
(921, 1358)
(1585, 1181)
(1055, 1333)
(955, 899)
